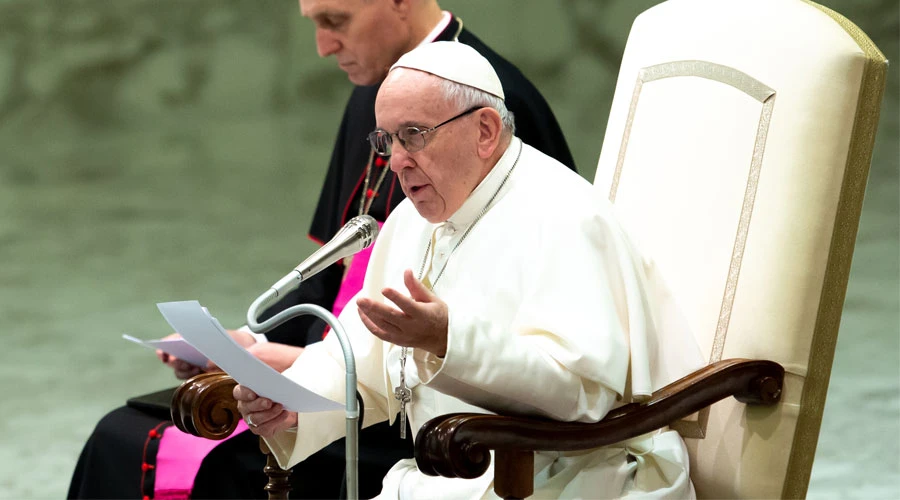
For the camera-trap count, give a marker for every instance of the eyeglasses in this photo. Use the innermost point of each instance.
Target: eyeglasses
(411, 138)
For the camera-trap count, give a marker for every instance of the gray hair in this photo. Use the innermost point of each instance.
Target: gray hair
(470, 97)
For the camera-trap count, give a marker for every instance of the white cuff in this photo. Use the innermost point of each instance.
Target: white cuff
(259, 337)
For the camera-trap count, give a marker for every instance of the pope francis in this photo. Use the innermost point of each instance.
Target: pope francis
(501, 284)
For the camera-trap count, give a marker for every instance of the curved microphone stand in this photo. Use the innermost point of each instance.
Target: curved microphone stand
(352, 449)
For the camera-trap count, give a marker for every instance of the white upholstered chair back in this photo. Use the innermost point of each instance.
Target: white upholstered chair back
(736, 156)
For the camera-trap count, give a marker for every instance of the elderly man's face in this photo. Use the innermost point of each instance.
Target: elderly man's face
(440, 177)
(365, 36)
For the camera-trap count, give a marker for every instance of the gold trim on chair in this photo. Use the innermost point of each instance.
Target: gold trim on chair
(837, 270)
(766, 96)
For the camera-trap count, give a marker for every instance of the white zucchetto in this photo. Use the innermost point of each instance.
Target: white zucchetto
(456, 62)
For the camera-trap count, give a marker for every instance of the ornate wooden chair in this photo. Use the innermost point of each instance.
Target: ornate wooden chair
(736, 157)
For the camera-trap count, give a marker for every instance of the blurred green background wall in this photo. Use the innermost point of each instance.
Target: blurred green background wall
(156, 150)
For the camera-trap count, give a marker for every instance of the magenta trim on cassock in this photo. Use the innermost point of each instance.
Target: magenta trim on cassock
(178, 460)
(353, 278)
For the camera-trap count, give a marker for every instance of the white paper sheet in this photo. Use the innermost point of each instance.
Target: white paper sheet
(204, 332)
(179, 348)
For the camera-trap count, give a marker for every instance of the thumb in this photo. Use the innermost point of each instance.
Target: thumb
(417, 290)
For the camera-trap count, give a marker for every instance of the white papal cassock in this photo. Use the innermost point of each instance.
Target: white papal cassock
(544, 302)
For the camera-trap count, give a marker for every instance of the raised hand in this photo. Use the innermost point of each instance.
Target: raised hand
(419, 320)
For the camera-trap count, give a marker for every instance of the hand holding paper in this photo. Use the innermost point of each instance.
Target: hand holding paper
(177, 347)
(205, 333)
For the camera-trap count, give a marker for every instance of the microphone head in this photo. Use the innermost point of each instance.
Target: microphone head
(365, 230)
(357, 234)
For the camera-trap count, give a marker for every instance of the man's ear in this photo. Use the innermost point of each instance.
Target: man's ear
(490, 127)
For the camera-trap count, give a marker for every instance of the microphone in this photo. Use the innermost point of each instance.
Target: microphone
(357, 234)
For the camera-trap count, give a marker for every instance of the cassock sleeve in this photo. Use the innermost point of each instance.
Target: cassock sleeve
(566, 353)
(321, 369)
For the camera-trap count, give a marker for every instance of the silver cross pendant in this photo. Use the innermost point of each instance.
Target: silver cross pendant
(402, 393)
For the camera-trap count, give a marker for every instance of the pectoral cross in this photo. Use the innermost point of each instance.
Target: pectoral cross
(402, 393)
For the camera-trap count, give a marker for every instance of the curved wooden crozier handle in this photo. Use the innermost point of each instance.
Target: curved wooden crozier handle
(204, 406)
(458, 445)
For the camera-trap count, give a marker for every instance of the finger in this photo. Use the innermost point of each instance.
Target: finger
(186, 375)
(387, 317)
(374, 328)
(256, 405)
(369, 324)
(285, 420)
(242, 393)
(188, 372)
(183, 369)
(244, 339)
(261, 417)
(370, 306)
(408, 305)
(417, 290)
(382, 329)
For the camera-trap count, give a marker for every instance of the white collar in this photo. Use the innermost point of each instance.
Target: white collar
(441, 26)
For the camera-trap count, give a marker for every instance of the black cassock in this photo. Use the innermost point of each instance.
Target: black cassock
(117, 460)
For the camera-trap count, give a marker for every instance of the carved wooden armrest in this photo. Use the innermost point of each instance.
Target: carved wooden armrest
(204, 406)
(458, 445)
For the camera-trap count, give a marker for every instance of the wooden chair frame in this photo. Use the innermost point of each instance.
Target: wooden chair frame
(458, 444)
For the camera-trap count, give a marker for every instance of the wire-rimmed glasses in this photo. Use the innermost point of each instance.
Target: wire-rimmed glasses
(411, 138)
